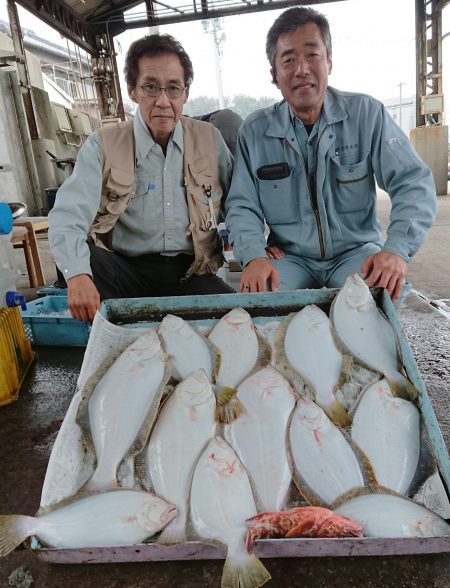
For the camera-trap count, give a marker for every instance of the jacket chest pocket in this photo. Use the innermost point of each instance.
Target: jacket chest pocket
(117, 190)
(279, 199)
(352, 184)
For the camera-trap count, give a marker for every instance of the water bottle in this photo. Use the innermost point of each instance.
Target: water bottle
(9, 273)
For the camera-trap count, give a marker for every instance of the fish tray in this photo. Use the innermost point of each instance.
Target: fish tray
(144, 312)
(46, 324)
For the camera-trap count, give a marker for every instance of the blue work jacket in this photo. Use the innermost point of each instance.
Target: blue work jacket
(330, 208)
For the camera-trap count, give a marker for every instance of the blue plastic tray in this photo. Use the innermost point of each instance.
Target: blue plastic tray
(47, 322)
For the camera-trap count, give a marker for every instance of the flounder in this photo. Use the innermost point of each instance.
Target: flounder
(367, 334)
(116, 517)
(123, 407)
(259, 435)
(324, 463)
(221, 500)
(184, 426)
(387, 429)
(310, 349)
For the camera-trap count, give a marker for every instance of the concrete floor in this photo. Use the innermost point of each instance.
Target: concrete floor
(29, 427)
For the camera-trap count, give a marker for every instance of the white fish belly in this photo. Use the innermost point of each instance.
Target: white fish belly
(312, 352)
(387, 429)
(188, 351)
(108, 519)
(238, 346)
(117, 410)
(383, 515)
(221, 497)
(180, 435)
(259, 435)
(366, 333)
(324, 459)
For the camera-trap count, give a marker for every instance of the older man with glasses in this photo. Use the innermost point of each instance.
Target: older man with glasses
(138, 216)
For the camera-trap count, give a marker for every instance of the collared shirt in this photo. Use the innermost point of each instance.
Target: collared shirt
(306, 141)
(156, 219)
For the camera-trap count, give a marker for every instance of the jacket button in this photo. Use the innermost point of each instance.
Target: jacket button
(330, 136)
(350, 170)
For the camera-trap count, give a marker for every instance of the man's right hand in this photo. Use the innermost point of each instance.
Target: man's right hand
(83, 298)
(257, 274)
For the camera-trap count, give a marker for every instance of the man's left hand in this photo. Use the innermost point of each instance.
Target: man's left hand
(386, 270)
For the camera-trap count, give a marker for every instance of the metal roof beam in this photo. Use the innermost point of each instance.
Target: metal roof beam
(117, 23)
(62, 18)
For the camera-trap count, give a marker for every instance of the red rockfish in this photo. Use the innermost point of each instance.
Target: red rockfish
(301, 521)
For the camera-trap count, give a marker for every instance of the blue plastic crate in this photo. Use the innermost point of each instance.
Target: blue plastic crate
(47, 321)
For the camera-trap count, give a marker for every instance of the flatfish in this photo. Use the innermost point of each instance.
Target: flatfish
(367, 334)
(324, 463)
(310, 349)
(221, 500)
(123, 407)
(188, 350)
(235, 337)
(391, 515)
(259, 435)
(107, 519)
(387, 429)
(184, 426)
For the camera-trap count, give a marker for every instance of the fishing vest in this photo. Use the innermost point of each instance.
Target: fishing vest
(201, 179)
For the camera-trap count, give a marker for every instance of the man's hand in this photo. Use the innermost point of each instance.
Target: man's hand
(256, 274)
(83, 298)
(386, 270)
(274, 252)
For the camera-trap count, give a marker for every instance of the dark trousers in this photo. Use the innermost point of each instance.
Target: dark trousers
(117, 276)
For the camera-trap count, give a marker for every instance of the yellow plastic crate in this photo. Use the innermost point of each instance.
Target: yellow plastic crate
(16, 354)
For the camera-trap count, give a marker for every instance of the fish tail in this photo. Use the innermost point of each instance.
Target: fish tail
(244, 573)
(13, 530)
(228, 405)
(174, 533)
(402, 387)
(338, 414)
(99, 482)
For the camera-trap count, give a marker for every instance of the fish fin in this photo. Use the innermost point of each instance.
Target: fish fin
(363, 491)
(13, 530)
(426, 464)
(264, 350)
(337, 413)
(228, 405)
(250, 573)
(402, 387)
(144, 432)
(347, 364)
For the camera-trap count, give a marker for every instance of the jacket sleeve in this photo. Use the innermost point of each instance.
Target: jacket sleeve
(410, 185)
(76, 205)
(244, 215)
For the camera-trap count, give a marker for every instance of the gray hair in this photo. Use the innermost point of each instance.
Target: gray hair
(289, 21)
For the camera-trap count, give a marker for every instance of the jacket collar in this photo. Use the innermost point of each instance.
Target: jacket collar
(144, 140)
(332, 112)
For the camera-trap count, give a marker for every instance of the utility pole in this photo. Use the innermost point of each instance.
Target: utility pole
(214, 26)
(400, 104)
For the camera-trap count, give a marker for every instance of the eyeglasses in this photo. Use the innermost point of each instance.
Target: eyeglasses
(172, 91)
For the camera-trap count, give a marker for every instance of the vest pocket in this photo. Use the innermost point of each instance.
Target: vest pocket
(117, 190)
(201, 188)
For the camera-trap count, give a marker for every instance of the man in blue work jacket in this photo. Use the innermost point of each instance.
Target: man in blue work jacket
(306, 168)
